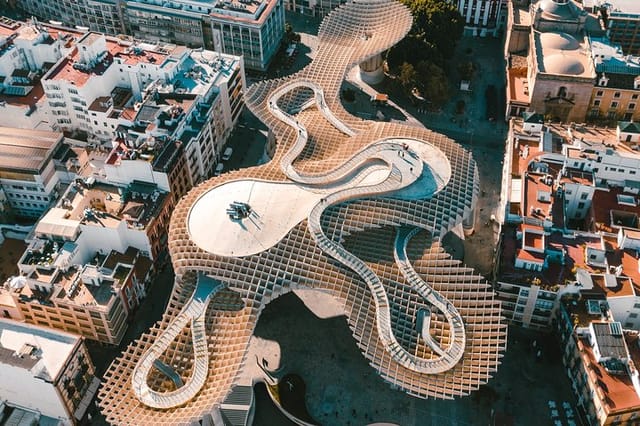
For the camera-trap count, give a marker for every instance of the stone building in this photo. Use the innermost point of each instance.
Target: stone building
(559, 71)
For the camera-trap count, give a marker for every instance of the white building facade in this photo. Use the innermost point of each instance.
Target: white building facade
(45, 371)
(483, 17)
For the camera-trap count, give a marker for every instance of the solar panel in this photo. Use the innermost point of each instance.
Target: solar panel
(616, 329)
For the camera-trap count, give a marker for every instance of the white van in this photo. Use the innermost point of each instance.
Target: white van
(219, 169)
(227, 153)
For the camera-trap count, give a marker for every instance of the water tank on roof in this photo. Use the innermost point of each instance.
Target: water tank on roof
(16, 283)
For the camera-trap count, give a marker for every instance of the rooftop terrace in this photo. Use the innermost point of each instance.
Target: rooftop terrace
(71, 69)
(103, 205)
(564, 255)
(94, 284)
(52, 347)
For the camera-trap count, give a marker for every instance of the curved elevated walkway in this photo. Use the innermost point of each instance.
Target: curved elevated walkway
(402, 173)
(193, 311)
(454, 352)
(368, 170)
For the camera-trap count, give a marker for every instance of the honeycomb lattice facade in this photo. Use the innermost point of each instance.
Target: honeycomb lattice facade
(427, 287)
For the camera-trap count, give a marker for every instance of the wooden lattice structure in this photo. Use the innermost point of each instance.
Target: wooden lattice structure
(365, 227)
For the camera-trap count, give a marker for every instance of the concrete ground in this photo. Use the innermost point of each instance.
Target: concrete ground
(248, 141)
(342, 389)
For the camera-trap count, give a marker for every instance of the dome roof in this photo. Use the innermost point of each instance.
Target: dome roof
(559, 41)
(559, 9)
(563, 64)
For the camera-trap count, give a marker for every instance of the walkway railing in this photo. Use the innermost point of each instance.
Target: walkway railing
(193, 311)
(454, 352)
(401, 174)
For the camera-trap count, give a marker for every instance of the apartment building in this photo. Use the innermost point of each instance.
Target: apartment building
(28, 175)
(181, 126)
(617, 88)
(601, 361)
(94, 68)
(162, 106)
(47, 375)
(93, 15)
(621, 20)
(483, 17)
(570, 209)
(27, 51)
(164, 163)
(93, 300)
(110, 216)
(252, 28)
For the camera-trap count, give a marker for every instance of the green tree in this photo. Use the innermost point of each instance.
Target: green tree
(438, 23)
(432, 83)
(466, 70)
(289, 35)
(407, 76)
(411, 50)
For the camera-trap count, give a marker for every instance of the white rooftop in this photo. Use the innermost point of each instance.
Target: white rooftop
(624, 6)
(53, 347)
(278, 207)
(609, 57)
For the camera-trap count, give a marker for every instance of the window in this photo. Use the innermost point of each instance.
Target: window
(634, 96)
(616, 94)
(580, 205)
(596, 102)
(632, 106)
(614, 104)
(584, 195)
(562, 92)
(599, 93)
(633, 315)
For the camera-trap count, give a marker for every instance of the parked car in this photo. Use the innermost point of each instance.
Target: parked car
(219, 169)
(227, 153)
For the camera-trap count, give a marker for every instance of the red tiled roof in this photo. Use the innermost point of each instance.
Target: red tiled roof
(603, 203)
(618, 393)
(530, 256)
(65, 70)
(532, 185)
(31, 99)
